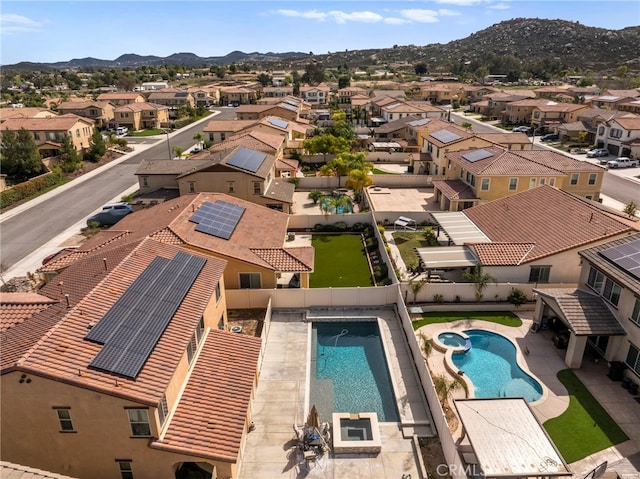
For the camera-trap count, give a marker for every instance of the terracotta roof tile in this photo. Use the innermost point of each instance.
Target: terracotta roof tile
(282, 259)
(224, 374)
(54, 123)
(228, 125)
(280, 189)
(63, 354)
(502, 254)
(18, 307)
(455, 189)
(254, 140)
(552, 219)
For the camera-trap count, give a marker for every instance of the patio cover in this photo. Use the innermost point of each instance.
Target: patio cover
(405, 223)
(459, 228)
(447, 257)
(585, 314)
(508, 440)
(386, 144)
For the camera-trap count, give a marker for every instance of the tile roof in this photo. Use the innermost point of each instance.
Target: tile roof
(254, 140)
(455, 189)
(170, 167)
(629, 122)
(228, 125)
(17, 471)
(502, 254)
(18, 307)
(586, 313)
(26, 112)
(287, 260)
(224, 374)
(254, 108)
(64, 355)
(551, 218)
(118, 96)
(82, 105)
(619, 275)
(54, 123)
(280, 189)
(140, 106)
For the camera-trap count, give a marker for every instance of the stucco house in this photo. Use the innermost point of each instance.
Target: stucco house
(121, 98)
(138, 116)
(100, 112)
(620, 135)
(315, 95)
(601, 317)
(25, 112)
(102, 406)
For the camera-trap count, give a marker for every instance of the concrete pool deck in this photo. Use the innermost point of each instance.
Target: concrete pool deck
(281, 400)
(544, 361)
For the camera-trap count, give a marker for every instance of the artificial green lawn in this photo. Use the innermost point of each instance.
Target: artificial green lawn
(149, 132)
(378, 171)
(406, 242)
(505, 318)
(585, 427)
(340, 261)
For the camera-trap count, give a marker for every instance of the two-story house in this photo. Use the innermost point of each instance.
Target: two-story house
(344, 94)
(494, 104)
(550, 115)
(108, 380)
(620, 135)
(400, 109)
(173, 98)
(100, 112)
(287, 110)
(219, 130)
(520, 112)
(277, 91)
(236, 96)
(611, 99)
(481, 175)
(121, 98)
(602, 315)
(139, 116)
(315, 95)
(25, 112)
(205, 95)
(49, 132)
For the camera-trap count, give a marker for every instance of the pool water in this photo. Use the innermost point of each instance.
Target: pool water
(336, 209)
(492, 367)
(452, 340)
(349, 371)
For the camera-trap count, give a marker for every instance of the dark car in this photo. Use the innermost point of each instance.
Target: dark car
(110, 214)
(550, 137)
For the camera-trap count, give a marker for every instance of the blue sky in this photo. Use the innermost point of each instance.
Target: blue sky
(50, 31)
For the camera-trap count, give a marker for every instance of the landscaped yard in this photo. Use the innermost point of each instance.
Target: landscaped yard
(149, 132)
(505, 318)
(406, 241)
(340, 261)
(585, 427)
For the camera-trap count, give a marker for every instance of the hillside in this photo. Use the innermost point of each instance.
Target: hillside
(522, 42)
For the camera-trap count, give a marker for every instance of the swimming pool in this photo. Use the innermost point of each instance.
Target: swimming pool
(452, 339)
(492, 367)
(349, 371)
(339, 209)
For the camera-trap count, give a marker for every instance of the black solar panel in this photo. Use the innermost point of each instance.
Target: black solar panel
(134, 324)
(217, 219)
(477, 155)
(445, 136)
(277, 122)
(247, 159)
(625, 256)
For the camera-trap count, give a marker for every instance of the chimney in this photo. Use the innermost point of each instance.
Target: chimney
(66, 298)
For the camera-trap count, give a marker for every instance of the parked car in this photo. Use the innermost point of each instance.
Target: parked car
(622, 162)
(521, 129)
(122, 130)
(598, 152)
(110, 214)
(550, 137)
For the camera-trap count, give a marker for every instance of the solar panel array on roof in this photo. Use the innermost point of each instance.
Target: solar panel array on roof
(246, 159)
(445, 136)
(288, 107)
(134, 324)
(477, 155)
(420, 122)
(625, 256)
(391, 107)
(181, 94)
(291, 102)
(279, 123)
(217, 219)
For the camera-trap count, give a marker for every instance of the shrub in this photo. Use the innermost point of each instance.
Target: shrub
(380, 272)
(386, 282)
(30, 188)
(340, 226)
(438, 298)
(319, 227)
(359, 227)
(371, 244)
(517, 297)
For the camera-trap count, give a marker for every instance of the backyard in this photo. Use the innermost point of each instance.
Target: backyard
(407, 241)
(505, 318)
(340, 262)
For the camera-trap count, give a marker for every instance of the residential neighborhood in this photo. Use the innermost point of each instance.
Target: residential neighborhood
(313, 280)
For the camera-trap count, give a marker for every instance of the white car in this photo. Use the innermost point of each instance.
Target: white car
(622, 162)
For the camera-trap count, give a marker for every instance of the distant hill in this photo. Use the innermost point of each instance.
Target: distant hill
(523, 40)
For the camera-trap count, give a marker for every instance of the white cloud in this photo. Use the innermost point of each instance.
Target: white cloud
(361, 17)
(420, 15)
(310, 14)
(396, 21)
(499, 6)
(461, 3)
(11, 23)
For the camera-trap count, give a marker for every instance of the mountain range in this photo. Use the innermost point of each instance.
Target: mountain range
(574, 45)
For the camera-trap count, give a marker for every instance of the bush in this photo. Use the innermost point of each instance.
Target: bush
(359, 227)
(340, 226)
(371, 244)
(438, 298)
(319, 227)
(380, 272)
(517, 297)
(30, 188)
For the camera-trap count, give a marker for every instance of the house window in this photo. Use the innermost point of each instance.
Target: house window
(126, 472)
(64, 418)
(222, 136)
(231, 186)
(218, 293)
(543, 181)
(192, 348)
(163, 409)
(539, 274)
(574, 178)
(592, 178)
(257, 188)
(484, 186)
(200, 329)
(139, 422)
(250, 281)
(192, 187)
(552, 182)
(532, 183)
(145, 181)
(633, 358)
(595, 279)
(635, 315)
(36, 135)
(513, 184)
(611, 292)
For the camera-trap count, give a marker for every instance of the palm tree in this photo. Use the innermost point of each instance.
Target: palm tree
(315, 196)
(415, 287)
(344, 204)
(199, 138)
(358, 180)
(426, 345)
(445, 388)
(178, 151)
(480, 279)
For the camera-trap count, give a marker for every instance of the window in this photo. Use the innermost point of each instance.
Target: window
(257, 188)
(163, 409)
(36, 135)
(64, 418)
(250, 281)
(635, 315)
(192, 348)
(145, 181)
(611, 292)
(125, 469)
(218, 292)
(513, 184)
(615, 133)
(223, 136)
(200, 329)
(231, 186)
(484, 186)
(539, 274)
(574, 179)
(139, 422)
(192, 187)
(592, 178)
(542, 181)
(633, 358)
(532, 183)
(595, 279)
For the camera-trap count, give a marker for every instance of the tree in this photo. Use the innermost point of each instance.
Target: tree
(264, 79)
(313, 74)
(344, 81)
(415, 287)
(69, 158)
(97, 147)
(315, 196)
(20, 159)
(630, 208)
(177, 151)
(517, 297)
(325, 144)
(199, 137)
(426, 344)
(480, 279)
(359, 179)
(420, 68)
(445, 388)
